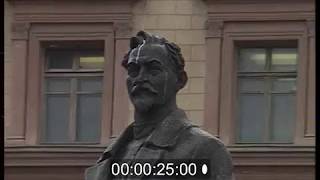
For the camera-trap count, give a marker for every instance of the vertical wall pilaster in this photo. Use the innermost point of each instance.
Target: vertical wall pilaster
(213, 44)
(310, 121)
(15, 127)
(120, 101)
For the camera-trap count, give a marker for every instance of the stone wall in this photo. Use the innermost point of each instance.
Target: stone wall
(183, 22)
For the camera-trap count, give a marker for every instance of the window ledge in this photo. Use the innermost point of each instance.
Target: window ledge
(87, 155)
(55, 148)
(277, 155)
(272, 148)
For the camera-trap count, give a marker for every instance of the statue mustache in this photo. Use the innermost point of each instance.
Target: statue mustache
(146, 86)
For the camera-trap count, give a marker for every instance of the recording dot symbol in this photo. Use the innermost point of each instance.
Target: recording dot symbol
(204, 169)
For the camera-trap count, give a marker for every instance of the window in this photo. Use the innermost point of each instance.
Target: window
(266, 94)
(73, 91)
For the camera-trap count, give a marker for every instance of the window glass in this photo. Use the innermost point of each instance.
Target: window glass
(91, 62)
(60, 59)
(90, 84)
(252, 118)
(58, 85)
(252, 59)
(284, 85)
(88, 117)
(284, 59)
(57, 115)
(283, 115)
(251, 85)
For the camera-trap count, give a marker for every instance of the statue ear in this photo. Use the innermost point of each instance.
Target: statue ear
(182, 80)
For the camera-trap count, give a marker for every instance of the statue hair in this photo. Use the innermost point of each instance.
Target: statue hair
(174, 50)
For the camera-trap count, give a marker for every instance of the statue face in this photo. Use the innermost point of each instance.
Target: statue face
(151, 80)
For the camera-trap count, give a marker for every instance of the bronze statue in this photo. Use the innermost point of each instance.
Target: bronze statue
(160, 129)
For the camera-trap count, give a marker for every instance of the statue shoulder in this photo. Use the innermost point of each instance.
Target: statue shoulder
(210, 147)
(206, 139)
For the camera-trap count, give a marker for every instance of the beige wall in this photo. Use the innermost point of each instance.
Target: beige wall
(183, 22)
(180, 21)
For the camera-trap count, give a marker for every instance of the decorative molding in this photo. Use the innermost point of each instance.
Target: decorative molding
(18, 156)
(251, 10)
(259, 16)
(85, 156)
(311, 27)
(44, 11)
(64, 17)
(123, 30)
(214, 28)
(20, 30)
(111, 12)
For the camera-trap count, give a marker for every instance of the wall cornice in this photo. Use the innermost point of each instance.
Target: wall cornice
(214, 28)
(46, 11)
(248, 10)
(20, 30)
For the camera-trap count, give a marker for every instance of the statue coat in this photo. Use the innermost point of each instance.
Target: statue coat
(174, 138)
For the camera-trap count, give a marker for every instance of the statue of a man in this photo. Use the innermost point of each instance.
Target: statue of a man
(160, 130)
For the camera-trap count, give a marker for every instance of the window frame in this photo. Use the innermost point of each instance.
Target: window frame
(221, 76)
(41, 33)
(267, 76)
(72, 73)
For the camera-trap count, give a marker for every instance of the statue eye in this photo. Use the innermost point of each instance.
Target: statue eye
(133, 70)
(155, 68)
(155, 72)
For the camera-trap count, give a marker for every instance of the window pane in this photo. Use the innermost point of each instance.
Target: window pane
(284, 85)
(58, 85)
(88, 118)
(60, 59)
(57, 118)
(284, 59)
(251, 85)
(252, 118)
(90, 84)
(283, 115)
(252, 59)
(91, 62)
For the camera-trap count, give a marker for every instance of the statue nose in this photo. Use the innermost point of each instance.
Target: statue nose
(142, 76)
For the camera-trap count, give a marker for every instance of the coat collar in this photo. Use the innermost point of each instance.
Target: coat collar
(167, 133)
(164, 135)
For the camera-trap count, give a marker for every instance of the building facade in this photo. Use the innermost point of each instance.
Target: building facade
(251, 68)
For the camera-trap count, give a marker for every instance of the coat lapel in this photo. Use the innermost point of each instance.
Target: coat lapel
(100, 171)
(118, 143)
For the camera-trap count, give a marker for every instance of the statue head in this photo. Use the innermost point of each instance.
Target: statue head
(155, 69)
